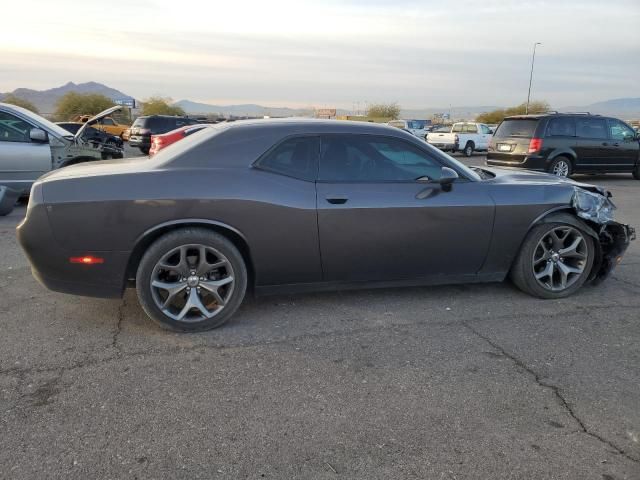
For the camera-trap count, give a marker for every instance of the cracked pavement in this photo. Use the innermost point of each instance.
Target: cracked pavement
(472, 381)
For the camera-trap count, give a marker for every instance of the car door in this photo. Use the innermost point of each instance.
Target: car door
(485, 136)
(22, 160)
(624, 146)
(380, 219)
(592, 144)
(285, 214)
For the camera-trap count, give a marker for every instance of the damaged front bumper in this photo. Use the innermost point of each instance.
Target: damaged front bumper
(594, 205)
(614, 240)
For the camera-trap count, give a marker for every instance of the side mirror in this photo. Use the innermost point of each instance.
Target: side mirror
(37, 135)
(447, 177)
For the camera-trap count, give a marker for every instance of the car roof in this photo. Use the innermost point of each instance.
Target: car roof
(538, 116)
(312, 125)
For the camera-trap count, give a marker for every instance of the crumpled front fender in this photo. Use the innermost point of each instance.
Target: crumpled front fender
(614, 239)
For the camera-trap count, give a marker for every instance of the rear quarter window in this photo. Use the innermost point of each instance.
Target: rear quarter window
(561, 127)
(517, 128)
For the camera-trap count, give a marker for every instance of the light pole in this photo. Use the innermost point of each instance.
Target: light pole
(533, 59)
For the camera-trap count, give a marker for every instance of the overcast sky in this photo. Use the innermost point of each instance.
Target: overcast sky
(328, 53)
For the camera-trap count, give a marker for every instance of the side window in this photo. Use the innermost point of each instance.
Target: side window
(368, 158)
(295, 157)
(107, 121)
(471, 128)
(620, 130)
(485, 130)
(561, 127)
(591, 128)
(13, 129)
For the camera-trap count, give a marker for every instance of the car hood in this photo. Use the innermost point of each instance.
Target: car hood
(95, 118)
(519, 176)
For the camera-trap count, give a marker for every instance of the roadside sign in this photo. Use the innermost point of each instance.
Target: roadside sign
(125, 102)
(326, 112)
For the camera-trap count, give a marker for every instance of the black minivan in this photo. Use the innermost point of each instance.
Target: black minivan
(566, 143)
(144, 127)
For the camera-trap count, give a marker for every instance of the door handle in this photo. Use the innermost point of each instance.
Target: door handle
(337, 200)
(616, 144)
(605, 144)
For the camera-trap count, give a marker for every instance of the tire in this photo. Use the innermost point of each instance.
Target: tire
(468, 149)
(561, 167)
(179, 305)
(145, 150)
(636, 172)
(531, 267)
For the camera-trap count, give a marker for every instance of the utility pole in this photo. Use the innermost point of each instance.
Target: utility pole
(533, 59)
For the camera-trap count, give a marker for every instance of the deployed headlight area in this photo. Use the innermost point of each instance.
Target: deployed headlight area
(592, 206)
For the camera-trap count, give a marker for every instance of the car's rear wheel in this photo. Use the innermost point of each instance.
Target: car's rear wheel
(554, 261)
(191, 280)
(636, 172)
(468, 149)
(561, 167)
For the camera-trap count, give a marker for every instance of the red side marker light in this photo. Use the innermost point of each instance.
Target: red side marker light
(86, 260)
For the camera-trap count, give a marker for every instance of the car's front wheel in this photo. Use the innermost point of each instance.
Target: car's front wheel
(191, 280)
(554, 261)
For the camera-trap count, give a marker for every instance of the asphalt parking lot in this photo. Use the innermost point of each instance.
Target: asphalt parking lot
(477, 381)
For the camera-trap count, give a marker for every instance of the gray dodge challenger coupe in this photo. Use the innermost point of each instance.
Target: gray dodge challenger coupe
(297, 205)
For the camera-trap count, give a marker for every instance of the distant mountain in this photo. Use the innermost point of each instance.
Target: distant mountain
(45, 100)
(466, 113)
(249, 109)
(260, 110)
(625, 108)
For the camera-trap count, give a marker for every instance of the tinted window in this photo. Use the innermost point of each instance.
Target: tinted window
(295, 157)
(107, 121)
(591, 128)
(13, 129)
(517, 128)
(620, 130)
(561, 127)
(484, 129)
(367, 158)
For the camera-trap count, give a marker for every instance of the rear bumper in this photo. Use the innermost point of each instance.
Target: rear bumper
(445, 146)
(51, 266)
(529, 162)
(140, 141)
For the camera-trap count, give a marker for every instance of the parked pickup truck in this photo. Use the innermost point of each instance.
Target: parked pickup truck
(464, 137)
(106, 124)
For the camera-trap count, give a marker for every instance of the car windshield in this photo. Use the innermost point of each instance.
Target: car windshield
(515, 127)
(139, 122)
(416, 124)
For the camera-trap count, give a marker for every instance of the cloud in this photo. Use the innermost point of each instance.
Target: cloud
(331, 53)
